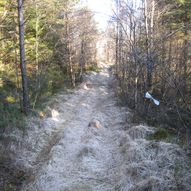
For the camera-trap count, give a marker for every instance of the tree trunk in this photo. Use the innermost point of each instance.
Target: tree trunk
(185, 52)
(82, 59)
(38, 65)
(149, 28)
(69, 59)
(117, 42)
(22, 59)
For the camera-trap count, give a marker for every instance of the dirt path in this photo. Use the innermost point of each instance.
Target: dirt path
(86, 146)
(81, 154)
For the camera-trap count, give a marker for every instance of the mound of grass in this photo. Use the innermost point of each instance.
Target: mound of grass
(12, 117)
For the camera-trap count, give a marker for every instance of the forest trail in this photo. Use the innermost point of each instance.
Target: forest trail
(89, 145)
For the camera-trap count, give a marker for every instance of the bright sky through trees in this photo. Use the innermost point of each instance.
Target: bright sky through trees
(102, 9)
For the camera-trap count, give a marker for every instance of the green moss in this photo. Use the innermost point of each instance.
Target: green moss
(160, 134)
(93, 68)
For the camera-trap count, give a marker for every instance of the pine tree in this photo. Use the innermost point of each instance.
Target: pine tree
(22, 58)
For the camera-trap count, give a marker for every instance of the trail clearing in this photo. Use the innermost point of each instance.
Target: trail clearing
(88, 144)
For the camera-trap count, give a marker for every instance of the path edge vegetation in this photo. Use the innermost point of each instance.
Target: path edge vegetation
(46, 46)
(151, 47)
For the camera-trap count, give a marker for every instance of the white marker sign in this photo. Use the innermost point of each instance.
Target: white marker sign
(149, 96)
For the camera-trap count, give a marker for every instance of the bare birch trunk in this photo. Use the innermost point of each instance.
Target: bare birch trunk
(117, 43)
(68, 44)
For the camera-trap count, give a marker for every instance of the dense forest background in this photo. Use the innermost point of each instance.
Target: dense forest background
(152, 43)
(59, 45)
(148, 41)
